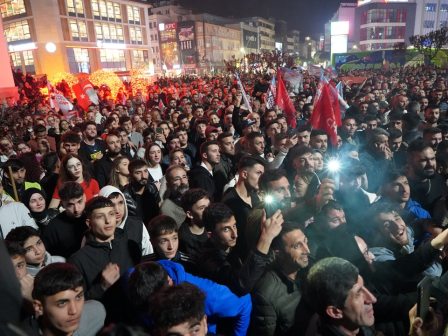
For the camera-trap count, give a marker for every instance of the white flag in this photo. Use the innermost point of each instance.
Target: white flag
(246, 100)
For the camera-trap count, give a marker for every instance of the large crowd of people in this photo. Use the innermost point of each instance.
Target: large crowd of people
(181, 210)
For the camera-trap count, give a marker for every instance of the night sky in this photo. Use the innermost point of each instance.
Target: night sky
(308, 16)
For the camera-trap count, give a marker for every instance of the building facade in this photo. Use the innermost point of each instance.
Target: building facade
(384, 24)
(49, 36)
(430, 15)
(266, 32)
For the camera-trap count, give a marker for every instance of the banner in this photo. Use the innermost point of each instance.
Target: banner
(245, 99)
(327, 114)
(81, 96)
(250, 39)
(187, 44)
(349, 80)
(61, 103)
(284, 102)
(88, 89)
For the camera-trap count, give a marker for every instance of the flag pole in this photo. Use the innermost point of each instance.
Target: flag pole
(13, 183)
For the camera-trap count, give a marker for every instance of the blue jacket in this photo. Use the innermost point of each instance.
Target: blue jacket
(417, 210)
(220, 302)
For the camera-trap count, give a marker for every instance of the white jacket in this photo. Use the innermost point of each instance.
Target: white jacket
(13, 215)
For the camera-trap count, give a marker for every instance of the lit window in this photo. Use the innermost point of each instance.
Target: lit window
(17, 31)
(109, 32)
(106, 10)
(78, 30)
(133, 14)
(428, 24)
(75, 7)
(112, 59)
(12, 7)
(117, 12)
(28, 57)
(78, 59)
(430, 7)
(16, 60)
(139, 58)
(135, 34)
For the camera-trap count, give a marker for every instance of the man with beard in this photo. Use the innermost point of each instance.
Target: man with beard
(432, 116)
(396, 190)
(427, 186)
(103, 166)
(392, 238)
(192, 234)
(243, 197)
(225, 170)
(376, 158)
(91, 148)
(176, 185)
(220, 261)
(277, 294)
(142, 197)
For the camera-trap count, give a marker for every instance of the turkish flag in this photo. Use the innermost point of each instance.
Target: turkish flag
(88, 89)
(326, 113)
(283, 101)
(83, 98)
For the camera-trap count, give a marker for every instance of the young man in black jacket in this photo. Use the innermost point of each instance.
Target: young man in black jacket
(108, 253)
(64, 233)
(220, 261)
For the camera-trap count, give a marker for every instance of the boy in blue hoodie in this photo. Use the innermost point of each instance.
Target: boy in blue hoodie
(220, 302)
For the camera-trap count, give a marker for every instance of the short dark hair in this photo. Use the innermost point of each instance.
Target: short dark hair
(70, 190)
(14, 248)
(136, 164)
(300, 151)
(191, 196)
(97, 202)
(39, 128)
(431, 131)
(392, 175)
(317, 132)
(224, 135)
(15, 164)
(248, 161)
(270, 176)
(321, 217)
(329, 282)
(253, 135)
(176, 305)
(146, 279)
(160, 225)
(124, 119)
(71, 137)
(21, 233)
(87, 123)
(204, 147)
(215, 214)
(287, 227)
(417, 146)
(55, 278)
(395, 133)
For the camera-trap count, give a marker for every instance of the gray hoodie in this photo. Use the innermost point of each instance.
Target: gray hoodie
(146, 245)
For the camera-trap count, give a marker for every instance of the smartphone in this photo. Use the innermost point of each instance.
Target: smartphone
(270, 208)
(159, 130)
(423, 292)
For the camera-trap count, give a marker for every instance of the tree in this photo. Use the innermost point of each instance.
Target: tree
(430, 44)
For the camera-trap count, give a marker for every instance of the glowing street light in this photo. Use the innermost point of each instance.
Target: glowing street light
(50, 47)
